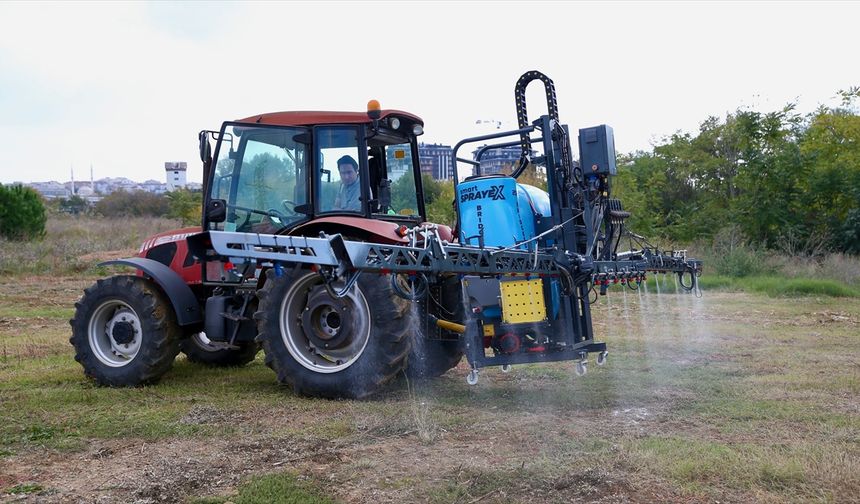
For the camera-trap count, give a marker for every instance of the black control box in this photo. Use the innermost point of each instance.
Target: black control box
(597, 151)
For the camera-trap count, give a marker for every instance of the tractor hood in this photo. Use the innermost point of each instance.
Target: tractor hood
(168, 237)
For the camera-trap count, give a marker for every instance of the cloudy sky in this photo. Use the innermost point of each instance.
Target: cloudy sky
(125, 87)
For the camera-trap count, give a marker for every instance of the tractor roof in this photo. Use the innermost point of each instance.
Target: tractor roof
(311, 117)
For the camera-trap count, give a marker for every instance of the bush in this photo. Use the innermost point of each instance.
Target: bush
(735, 257)
(22, 213)
(185, 205)
(780, 286)
(133, 204)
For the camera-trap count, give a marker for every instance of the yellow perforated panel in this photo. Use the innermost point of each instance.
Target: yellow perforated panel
(522, 301)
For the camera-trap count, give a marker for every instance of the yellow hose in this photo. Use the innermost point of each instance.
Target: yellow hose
(451, 326)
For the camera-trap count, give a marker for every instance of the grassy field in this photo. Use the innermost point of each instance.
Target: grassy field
(732, 397)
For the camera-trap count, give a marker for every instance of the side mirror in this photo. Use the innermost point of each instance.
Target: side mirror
(205, 148)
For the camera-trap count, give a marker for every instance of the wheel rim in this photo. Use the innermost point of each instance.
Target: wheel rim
(115, 333)
(311, 319)
(204, 343)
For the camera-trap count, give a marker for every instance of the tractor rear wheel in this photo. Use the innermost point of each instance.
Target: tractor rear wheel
(324, 346)
(197, 348)
(430, 358)
(124, 332)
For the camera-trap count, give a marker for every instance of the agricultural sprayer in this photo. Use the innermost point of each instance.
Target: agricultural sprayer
(305, 252)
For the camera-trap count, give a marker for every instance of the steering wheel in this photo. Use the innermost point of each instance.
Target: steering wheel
(289, 206)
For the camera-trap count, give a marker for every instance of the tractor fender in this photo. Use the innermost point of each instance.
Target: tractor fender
(377, 230)
(181, 296)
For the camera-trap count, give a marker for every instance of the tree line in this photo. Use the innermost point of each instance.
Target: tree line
(784, 179)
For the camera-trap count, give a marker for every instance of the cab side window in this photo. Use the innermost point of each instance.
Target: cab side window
(339, 178)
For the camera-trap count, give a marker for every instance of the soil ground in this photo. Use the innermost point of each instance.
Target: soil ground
(731, 397)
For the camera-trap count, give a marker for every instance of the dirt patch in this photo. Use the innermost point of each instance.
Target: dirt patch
(369, 466)
(829, 317)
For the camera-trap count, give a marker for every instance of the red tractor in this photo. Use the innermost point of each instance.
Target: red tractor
(314, 245)
(286, 173)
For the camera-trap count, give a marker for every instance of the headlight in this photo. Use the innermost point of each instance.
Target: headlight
(394, 123)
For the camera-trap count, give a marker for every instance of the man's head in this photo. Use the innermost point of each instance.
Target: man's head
(348, 168)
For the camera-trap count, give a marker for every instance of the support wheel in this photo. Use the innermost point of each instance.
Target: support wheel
(472, 377)
(581, 368)
(197, 348)
(324, 346)
(506, 368)
(124, 332)
(601, 358)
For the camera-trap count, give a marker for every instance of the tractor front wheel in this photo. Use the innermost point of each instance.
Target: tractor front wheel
(325, 346)
(124, 332)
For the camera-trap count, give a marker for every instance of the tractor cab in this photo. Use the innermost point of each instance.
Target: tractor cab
(273, 173)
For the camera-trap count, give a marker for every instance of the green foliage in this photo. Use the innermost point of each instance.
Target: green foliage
(403, 194)
(438, 196)
(732, 256)
(441, 209)
(530, 175)
(22, 213)
(185, 205)
(24, 488)
(133, 204)
(74, 205)
(780, 286)
(282, 488)
(776, 175)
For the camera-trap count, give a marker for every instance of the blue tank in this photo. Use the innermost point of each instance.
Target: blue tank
(500, 210)
(504, 212)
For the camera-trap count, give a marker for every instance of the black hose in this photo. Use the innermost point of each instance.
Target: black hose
(343, 292)
(692, 280)
(418, 292)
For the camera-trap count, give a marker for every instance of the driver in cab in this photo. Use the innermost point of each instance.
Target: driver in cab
(349, 196)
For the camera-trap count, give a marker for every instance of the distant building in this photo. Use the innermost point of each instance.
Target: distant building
(435, 160)
(497, 160)
(88, 194)
(50, 190)
(175, 173)
(154, 186)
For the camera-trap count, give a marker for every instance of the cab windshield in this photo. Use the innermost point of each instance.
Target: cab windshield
(261, 175)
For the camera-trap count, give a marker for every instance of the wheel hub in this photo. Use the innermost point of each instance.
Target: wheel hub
(115, 333)
(323, 333)
(326, 321)
(123, 332)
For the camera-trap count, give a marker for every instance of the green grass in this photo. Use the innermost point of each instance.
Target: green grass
(24, 489)
(778, 286)
(55, 405)
(743, 397)
(699, 464)
(44, 312)
(279, 488)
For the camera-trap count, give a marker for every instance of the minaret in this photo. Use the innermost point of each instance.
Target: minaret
(92, 182)
(73, 179)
